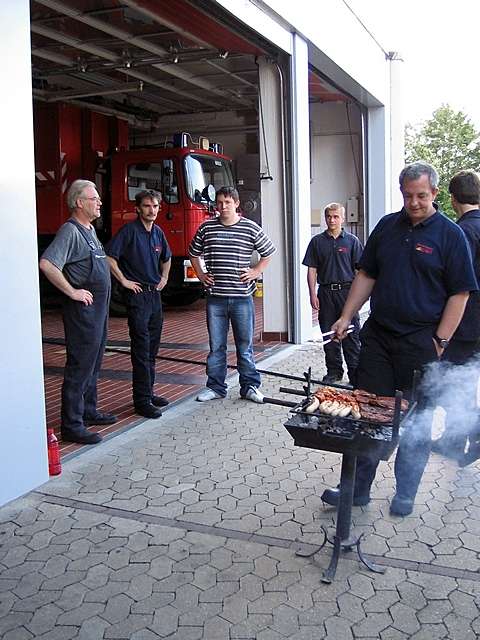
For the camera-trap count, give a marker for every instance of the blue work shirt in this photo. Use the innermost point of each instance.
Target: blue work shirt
(335, 259)
(416, 269)
(140, 252)
(469, 328)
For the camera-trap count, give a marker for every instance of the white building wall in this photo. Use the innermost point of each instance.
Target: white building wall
(23, 459)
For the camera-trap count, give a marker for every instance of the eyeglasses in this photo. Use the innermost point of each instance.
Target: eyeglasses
(93, 198)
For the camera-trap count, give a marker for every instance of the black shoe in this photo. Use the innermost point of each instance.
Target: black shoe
(332, 497)
(329, 378)
(101, 418)
(148, 411)
(401, 506)
(81, 437)
(159, 401)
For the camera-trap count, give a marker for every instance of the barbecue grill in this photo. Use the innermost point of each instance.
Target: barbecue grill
(350, 437)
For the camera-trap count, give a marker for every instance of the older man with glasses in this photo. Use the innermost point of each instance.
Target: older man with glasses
(76, 264)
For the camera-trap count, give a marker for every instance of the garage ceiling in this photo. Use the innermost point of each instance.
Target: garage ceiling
(144, 59)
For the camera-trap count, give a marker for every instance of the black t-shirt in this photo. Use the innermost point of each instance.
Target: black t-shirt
(469, 327)
(416, 269)
(335, 259)
(139, 252)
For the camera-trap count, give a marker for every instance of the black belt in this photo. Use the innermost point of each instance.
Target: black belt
(337, 286)
(149, 287)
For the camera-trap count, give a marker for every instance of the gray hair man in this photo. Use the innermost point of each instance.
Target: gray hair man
(76, 264)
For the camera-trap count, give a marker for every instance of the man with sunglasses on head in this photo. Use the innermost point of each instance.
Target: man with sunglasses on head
(76, 264)
(140, 259)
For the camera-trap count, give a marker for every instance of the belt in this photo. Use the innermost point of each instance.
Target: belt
(149, 287)
(337, 286)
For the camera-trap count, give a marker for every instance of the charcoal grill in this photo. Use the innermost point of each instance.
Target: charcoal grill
(351, 438)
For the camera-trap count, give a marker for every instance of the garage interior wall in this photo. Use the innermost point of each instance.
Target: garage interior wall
(336, 162)
(23, 454)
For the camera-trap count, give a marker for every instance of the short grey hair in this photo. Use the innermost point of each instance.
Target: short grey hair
(76, 191)
(416, 170)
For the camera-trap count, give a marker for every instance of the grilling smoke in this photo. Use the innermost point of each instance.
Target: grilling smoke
(455, 388)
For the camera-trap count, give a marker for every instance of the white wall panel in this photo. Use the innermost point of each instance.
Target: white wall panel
(23, 461)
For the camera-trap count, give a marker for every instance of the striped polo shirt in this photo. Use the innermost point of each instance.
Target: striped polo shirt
(227, 251)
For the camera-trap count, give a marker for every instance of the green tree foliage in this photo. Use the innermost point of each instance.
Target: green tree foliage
(448, 141)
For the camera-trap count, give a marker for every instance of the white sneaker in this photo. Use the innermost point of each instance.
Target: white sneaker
(208, 394)
(254, 395)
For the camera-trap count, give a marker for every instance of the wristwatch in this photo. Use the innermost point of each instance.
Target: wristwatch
(442, 342)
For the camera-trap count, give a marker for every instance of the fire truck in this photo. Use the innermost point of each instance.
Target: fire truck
(73, 142)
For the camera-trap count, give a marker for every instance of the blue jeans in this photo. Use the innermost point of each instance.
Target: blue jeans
(240, 313)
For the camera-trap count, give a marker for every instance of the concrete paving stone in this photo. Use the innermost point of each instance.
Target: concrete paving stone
(434, 587)
(464, 605)
(55, 566)
(447, 547)
(16, 556)
(470, 541)
(30, 603)
(433, 520)
(144, 634)
(221, 558)
(431, 632)
(153, 602)
(317, 615)
(90, 560)
(179, 550)
(412, 595)
(104, 593)
(188, 633)
(192, 562)
(250, 628)
(118, 558)
(435, 612)
(415, 552)
(46, 553)
(459, 628)
(381, 601)
(28, 585)
(282, 581)
(92, 629)
(60, 582)
(210, 517)
(20, 633)
(219, 592)
(174, 581)
(140, 587)
(404, 618)
(110, 543)
(186, 597)
(372, 625)
(165, 621)
(265, 567)
(461, 559)
(70, 537)
(205, 577)
(117, 608)
(196, 616)
(97, 576)
(44, 619)
(361, 586)
(251, 587)
(7, 585)
(471, 525)
(14, 620)
(127, 573)
(77, 616)
(59, 633)
(216, 628)
(138, 541)
(72, 596)
(338, 628)
(350, 607)
(267, 603)
(161, 567)
(235, 572)
(126, 628)
(309, 633)
(393, 634)
(427, 535)
(269, 634)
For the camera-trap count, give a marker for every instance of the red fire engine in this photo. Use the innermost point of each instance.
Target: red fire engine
(73, 142)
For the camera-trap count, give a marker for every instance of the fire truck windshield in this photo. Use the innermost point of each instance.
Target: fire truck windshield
(201, 170)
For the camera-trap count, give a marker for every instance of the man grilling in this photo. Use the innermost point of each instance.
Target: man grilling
(331, 258)
(417, 268)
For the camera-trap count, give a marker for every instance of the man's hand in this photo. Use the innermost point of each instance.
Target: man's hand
(162, 283)
(250, 274)
(340, 327)
(82, 295)
(438, 349)
(136, 287)
(206, 279)
(314, 301)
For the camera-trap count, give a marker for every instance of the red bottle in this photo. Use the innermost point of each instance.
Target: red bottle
(54, 464)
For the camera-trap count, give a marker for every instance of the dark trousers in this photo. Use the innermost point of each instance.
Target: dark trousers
(331, 305)
(455, 436)
(386, 364)
(85, 337)
(145, 320)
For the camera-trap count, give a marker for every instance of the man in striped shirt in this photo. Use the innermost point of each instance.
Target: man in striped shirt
(226, 244)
